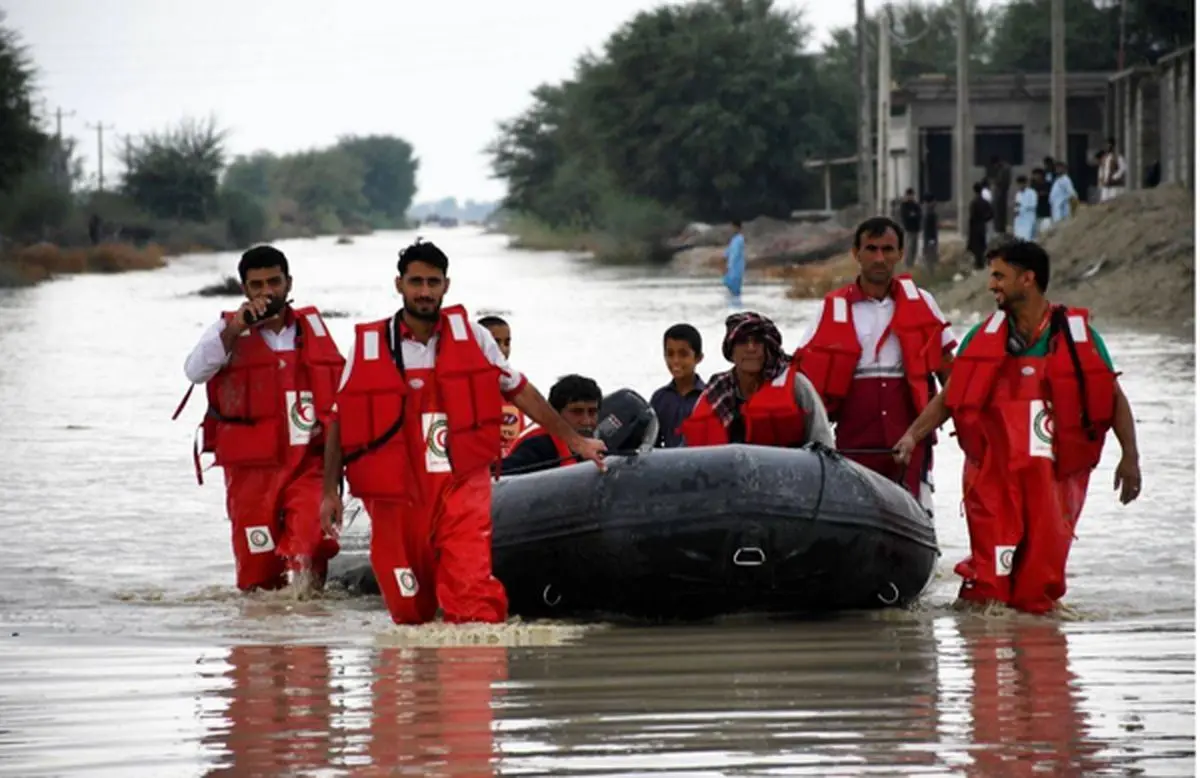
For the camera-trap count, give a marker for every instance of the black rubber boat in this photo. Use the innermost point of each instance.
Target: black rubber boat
(698, 533)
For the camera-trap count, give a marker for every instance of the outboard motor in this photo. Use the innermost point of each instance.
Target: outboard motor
(627, 422)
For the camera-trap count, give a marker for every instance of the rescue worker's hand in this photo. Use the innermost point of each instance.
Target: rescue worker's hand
(331, 514)
(590, 448)
(904, 448)
(1128, 478)
(255, 306)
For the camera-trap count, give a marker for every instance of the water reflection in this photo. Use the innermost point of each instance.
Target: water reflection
(1026, 708)
(296, 709)
(974, 697)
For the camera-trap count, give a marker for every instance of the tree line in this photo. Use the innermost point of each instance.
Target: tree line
(708, 110)
(181, 188)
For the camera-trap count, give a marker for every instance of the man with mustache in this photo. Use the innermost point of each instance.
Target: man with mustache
(873, 356)
(1033, 395)
(417, 428)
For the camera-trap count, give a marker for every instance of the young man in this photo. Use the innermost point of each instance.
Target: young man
(1033, 394)
(270, 372)
(673, 403)
(874, 354)
(514, 422)
(577, 400)
(1025, 210)
(764, 400)
(910, 217)
(417, 426)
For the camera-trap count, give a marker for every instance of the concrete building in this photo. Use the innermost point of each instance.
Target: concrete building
(1010, 116)
(1150, 112)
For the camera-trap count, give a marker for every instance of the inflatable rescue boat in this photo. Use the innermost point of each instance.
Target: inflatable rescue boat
(698, 533)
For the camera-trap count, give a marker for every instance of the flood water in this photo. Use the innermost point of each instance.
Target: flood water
(125, 650)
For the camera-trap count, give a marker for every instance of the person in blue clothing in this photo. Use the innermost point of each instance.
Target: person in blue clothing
(1025, 217)
(735, 260)
(673, 403)
(1062, 193)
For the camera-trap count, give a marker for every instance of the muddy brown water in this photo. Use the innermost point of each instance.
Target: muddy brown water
(125, 651)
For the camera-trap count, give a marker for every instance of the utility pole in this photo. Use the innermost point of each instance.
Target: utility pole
(1121, 38)
(884, 108)
(962, 177)
(99, 127)
(1058, 81)
(60, 151)
(865, 188)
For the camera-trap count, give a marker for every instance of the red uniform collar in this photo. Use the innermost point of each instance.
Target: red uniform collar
(406, 332)
(855, 293)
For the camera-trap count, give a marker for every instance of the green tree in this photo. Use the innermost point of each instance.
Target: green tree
(1021, 42)
(697, 107)
(174, 173)
(389, 172)
(326, 184)
(252, 174)
(21, 142)
(527, 151)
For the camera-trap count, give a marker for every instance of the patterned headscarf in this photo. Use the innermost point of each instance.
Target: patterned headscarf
(722, 389)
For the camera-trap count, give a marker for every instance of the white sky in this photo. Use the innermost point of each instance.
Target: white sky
(286, 75)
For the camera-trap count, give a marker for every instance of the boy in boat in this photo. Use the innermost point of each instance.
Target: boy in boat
(513, 422)
(577, 400)
(673, 403)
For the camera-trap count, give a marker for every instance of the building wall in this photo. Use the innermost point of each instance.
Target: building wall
(1084, 116)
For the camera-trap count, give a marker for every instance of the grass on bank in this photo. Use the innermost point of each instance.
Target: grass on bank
(39, 262)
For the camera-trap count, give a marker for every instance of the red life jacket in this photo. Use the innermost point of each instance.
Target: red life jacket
(263, 404)
(771, 415)
(565, 455)
(512, 425)
(423, 424)
(1078, 417)
(831, 357)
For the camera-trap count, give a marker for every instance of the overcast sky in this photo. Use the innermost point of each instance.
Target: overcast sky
(285, 75)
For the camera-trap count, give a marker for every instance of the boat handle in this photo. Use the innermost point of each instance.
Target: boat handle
(749, 556)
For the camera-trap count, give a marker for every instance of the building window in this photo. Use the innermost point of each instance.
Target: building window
(1004, 141)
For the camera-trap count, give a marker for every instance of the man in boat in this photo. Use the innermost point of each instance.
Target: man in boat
(270, 372)
(874, 354)
(575, 398)
(1033, 395)
(513, 422)
(764, 400)
(417, 427)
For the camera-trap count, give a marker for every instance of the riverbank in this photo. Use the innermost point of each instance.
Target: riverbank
(1131, 261)
(31, 265)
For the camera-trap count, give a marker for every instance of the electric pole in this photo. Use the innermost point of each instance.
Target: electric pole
(865, 188)
(60, 151)
(100, 128)
(962, 176)
(884, 107)
(1121, 39)
(1058, 81)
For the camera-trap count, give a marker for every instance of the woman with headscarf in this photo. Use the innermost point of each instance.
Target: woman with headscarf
(764, 400)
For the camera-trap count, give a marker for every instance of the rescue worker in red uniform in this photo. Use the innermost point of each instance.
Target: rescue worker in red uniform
(417, 426)
(513, 423)
(764, 400)
(270, 386)
(1033, 395)
(577, 400)
(873, 356)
